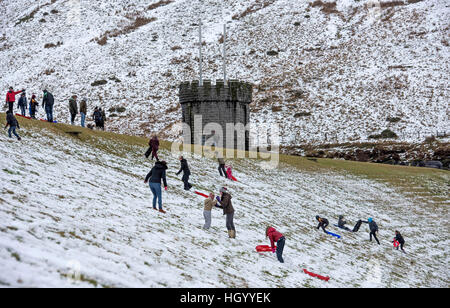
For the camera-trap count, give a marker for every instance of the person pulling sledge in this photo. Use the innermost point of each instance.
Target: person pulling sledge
(323, 223)
(401, 241)
(373, 229)
(276, 237)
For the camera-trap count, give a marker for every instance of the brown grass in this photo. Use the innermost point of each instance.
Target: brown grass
(156, 5)
(138, 22)
(255, 7)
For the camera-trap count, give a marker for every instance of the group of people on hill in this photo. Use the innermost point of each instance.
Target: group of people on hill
(399, 241)
(99, 115)
(48, 101)
(32, 105)
(158, 177)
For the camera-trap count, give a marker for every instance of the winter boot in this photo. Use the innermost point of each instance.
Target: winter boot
(232, 234)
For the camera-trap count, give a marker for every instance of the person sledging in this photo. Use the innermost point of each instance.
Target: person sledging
(342, 225)
(323, 223)
(276, 237)
(373, 229)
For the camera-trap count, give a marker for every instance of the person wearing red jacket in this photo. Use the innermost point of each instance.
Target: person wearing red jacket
(279, 238)
(11, 98)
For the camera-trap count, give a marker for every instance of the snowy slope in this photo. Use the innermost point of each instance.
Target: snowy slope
(69, 207)
(350, 66)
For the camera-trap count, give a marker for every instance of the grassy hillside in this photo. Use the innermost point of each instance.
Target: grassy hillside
(78, 207)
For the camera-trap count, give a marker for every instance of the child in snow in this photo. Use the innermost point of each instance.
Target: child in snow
(229, 172)
(33, 106)
(210, 202)
(373, 229)
(323, 223)
(11, 121)
(279, 238)
(399, 238)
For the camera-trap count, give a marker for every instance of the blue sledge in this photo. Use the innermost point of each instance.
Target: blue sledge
(335, 235)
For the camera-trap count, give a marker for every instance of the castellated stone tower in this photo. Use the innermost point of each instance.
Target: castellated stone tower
(220, 103)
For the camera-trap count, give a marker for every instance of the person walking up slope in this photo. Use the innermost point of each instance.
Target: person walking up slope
(225, 203)
(186, 173)
(401, 241)
(156, 175)
(276, 237)
(11, 121)
(323, 223)
(210, 202)
(11, 98)
(154, 147)
(373, 229)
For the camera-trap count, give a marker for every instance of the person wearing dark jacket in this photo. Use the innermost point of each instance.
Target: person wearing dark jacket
(47, 103)
(11, 98)
(323, 223)
(83, 111)
(33, 106)
(222, 170)
(186, 173)
(224, 202)
(276, 237)
(11, 121)
(155, 176)
(73, 109)
(97, 116)
(153, 148)
(373, 229)
(342, 223)
(399, 238)
(22, 104)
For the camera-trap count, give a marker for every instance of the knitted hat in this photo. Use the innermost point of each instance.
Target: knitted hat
(223, 190)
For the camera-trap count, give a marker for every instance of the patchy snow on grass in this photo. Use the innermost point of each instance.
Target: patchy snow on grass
(74, 214)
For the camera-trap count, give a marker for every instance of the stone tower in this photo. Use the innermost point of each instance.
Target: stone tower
(220, 103)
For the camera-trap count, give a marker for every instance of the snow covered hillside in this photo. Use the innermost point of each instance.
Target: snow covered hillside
(78, 207)
(330, 71)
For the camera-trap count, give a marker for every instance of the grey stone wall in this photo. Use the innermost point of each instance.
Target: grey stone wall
(216, 103)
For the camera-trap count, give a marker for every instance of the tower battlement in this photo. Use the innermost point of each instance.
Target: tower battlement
(233, 91)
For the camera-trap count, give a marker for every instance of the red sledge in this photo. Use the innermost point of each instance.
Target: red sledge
(201, 194)
(396, 243)
(264, 248)
(316, 276)
(234, 179)
(19, 115)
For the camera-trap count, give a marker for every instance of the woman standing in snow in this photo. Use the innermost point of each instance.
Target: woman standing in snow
(156, 175)
(276, 237)
(225, 203)
(373, 229)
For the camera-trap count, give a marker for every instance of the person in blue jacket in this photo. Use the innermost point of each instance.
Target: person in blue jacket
(373, 229)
